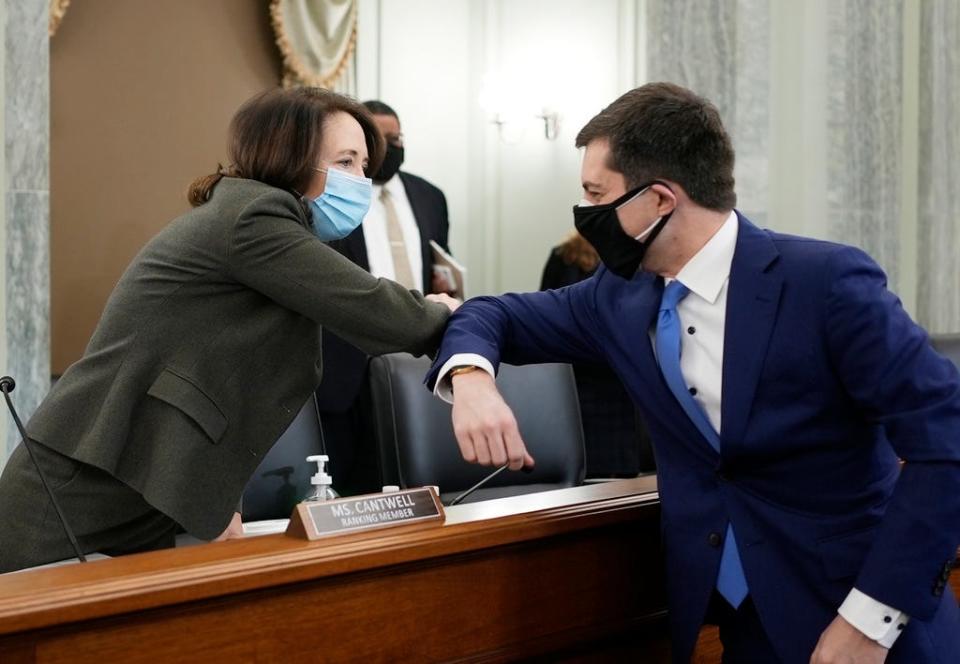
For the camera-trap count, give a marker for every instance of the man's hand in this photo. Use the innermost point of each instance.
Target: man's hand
(442, 298)
(842, 643)
(233, 531)
(485, 427)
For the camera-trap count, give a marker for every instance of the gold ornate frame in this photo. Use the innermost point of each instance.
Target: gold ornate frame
(57, 9)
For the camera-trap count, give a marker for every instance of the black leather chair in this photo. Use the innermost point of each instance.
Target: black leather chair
(283, 477)
(418, 448)
(947, 345)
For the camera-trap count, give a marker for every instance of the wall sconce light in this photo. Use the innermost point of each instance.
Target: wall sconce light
(511, 110)
(551, 124)
(510, 130)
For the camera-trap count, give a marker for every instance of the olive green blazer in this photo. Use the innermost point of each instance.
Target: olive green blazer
(210, 344)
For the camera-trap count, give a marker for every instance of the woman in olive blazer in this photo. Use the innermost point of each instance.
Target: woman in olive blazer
(210, 342)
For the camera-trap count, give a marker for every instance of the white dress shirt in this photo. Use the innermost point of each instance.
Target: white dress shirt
(703, 315)
(375, 235)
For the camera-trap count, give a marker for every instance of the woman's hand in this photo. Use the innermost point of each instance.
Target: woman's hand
(233, 531)
(443, 298)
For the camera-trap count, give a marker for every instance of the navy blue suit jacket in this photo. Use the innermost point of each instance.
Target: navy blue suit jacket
(826, 383)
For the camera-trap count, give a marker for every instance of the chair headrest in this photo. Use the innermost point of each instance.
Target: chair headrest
(415, 427)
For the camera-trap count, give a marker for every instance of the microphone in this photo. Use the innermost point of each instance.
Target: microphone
(526, 469)
(7, 385)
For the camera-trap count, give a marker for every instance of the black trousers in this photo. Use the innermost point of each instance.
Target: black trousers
(741, 633)
(105, 514)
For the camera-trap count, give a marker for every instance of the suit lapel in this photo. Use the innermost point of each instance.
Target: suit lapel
(642, 306)
(753, 297)
(416, 204)
(356, 248)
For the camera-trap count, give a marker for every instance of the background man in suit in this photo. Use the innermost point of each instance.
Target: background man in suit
(406, 213)
(615, 438)
(780, 381)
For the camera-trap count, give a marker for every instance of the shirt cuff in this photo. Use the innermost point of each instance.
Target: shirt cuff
(878, 622)
(442, 388)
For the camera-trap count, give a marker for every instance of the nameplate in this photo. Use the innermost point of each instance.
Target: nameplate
(368, 512)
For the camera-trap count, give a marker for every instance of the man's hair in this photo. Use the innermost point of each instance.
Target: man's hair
(661, 130)
(275, 137)
(377, 107)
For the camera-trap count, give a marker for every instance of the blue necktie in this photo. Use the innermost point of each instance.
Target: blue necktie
(731, 582)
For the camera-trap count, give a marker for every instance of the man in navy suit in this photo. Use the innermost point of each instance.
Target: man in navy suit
(393, 242)
(782, 384)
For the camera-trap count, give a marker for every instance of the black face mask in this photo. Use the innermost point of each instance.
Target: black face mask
(600, 225)
(392, 161)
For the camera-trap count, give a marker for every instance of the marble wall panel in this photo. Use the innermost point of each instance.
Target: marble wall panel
(938, 283)
(27, 301)
(721, 50)
(864, 131)
(27, 109)
(26, 118)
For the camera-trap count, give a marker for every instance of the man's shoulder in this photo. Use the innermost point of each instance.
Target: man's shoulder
(804, 258)
(800, 247)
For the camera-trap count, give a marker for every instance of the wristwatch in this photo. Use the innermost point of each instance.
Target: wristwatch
(462, 369)
(456, 371)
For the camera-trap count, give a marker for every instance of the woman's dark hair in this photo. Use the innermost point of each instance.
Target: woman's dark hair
(661, 130)
(275, 136)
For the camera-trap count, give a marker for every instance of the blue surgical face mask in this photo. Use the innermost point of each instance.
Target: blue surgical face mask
(341, 207)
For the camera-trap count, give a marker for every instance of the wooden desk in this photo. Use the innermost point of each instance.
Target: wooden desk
(569, 575)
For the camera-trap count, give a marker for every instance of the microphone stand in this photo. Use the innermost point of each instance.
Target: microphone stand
(525, 469)
(7, 385)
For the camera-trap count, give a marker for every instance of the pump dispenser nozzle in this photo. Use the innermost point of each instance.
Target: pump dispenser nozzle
(322, 481)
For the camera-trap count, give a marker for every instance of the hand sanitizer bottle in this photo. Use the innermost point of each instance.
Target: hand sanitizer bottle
(322, 482)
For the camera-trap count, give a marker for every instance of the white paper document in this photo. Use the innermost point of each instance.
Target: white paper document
(448, 267)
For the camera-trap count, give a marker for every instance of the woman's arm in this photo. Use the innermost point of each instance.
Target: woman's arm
(272, 252)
